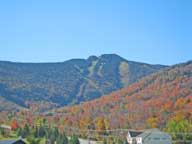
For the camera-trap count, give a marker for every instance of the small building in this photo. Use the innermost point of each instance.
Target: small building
(20, 141)
(152, 136)
(132, 137)
(6, 129)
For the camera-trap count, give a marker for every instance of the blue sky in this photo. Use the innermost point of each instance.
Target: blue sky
(152, 31)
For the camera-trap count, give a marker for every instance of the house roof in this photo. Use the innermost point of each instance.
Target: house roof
(12, 142)
(7, 142)
(135, 133)
(146, 133)
(154, 133)
(152, 136)
(5, 126)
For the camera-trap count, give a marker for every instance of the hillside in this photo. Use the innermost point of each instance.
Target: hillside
(69, 82)
(151, 102)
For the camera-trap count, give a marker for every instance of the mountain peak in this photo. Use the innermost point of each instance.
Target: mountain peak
(105, 57)
(111, 56)
(92, 58)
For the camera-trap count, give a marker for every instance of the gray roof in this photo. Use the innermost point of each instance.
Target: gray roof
(155, 136)
(155, 132)
(134, 133)
(7, 141)
(11, 142)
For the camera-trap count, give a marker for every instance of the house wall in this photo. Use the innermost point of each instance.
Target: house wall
(139, 140)
(130, 140)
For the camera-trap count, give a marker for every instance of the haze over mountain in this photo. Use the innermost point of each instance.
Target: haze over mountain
(69, 82)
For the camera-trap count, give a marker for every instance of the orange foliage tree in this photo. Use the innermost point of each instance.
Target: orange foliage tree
(14, 125)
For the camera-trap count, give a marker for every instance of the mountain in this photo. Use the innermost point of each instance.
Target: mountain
(159, 100)
(69, 82)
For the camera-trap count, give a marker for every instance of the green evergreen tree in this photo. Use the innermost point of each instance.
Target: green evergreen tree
(42, 132)
(19, 132)
(74, 140)
(52, 138)
(2, 132)
(25, 131)
(62, 139)
(104, 141)
(52, 134)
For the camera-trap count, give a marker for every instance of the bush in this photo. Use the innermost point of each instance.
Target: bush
(74, 140)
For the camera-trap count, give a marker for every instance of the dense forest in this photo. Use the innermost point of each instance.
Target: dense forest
(162, 100)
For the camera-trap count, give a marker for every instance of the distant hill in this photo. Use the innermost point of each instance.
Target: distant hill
(151, 102)
(69, 82)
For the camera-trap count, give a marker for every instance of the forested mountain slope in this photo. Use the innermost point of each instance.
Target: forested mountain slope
(159, 100)
(69, 82)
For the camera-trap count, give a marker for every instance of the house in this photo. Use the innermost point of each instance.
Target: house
(152, 136)
(6, 129)
(132, 137)
(20, 141)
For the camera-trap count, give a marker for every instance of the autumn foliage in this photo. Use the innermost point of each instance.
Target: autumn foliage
(14, 125)
(149, 103)
(158, 101)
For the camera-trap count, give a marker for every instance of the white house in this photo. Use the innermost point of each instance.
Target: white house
(152, 136)
(132, 137)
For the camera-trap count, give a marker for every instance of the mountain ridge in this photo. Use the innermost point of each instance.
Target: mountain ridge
(69, 82)
(88, 58)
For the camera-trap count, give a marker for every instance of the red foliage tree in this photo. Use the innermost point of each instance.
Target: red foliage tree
(14, 125)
